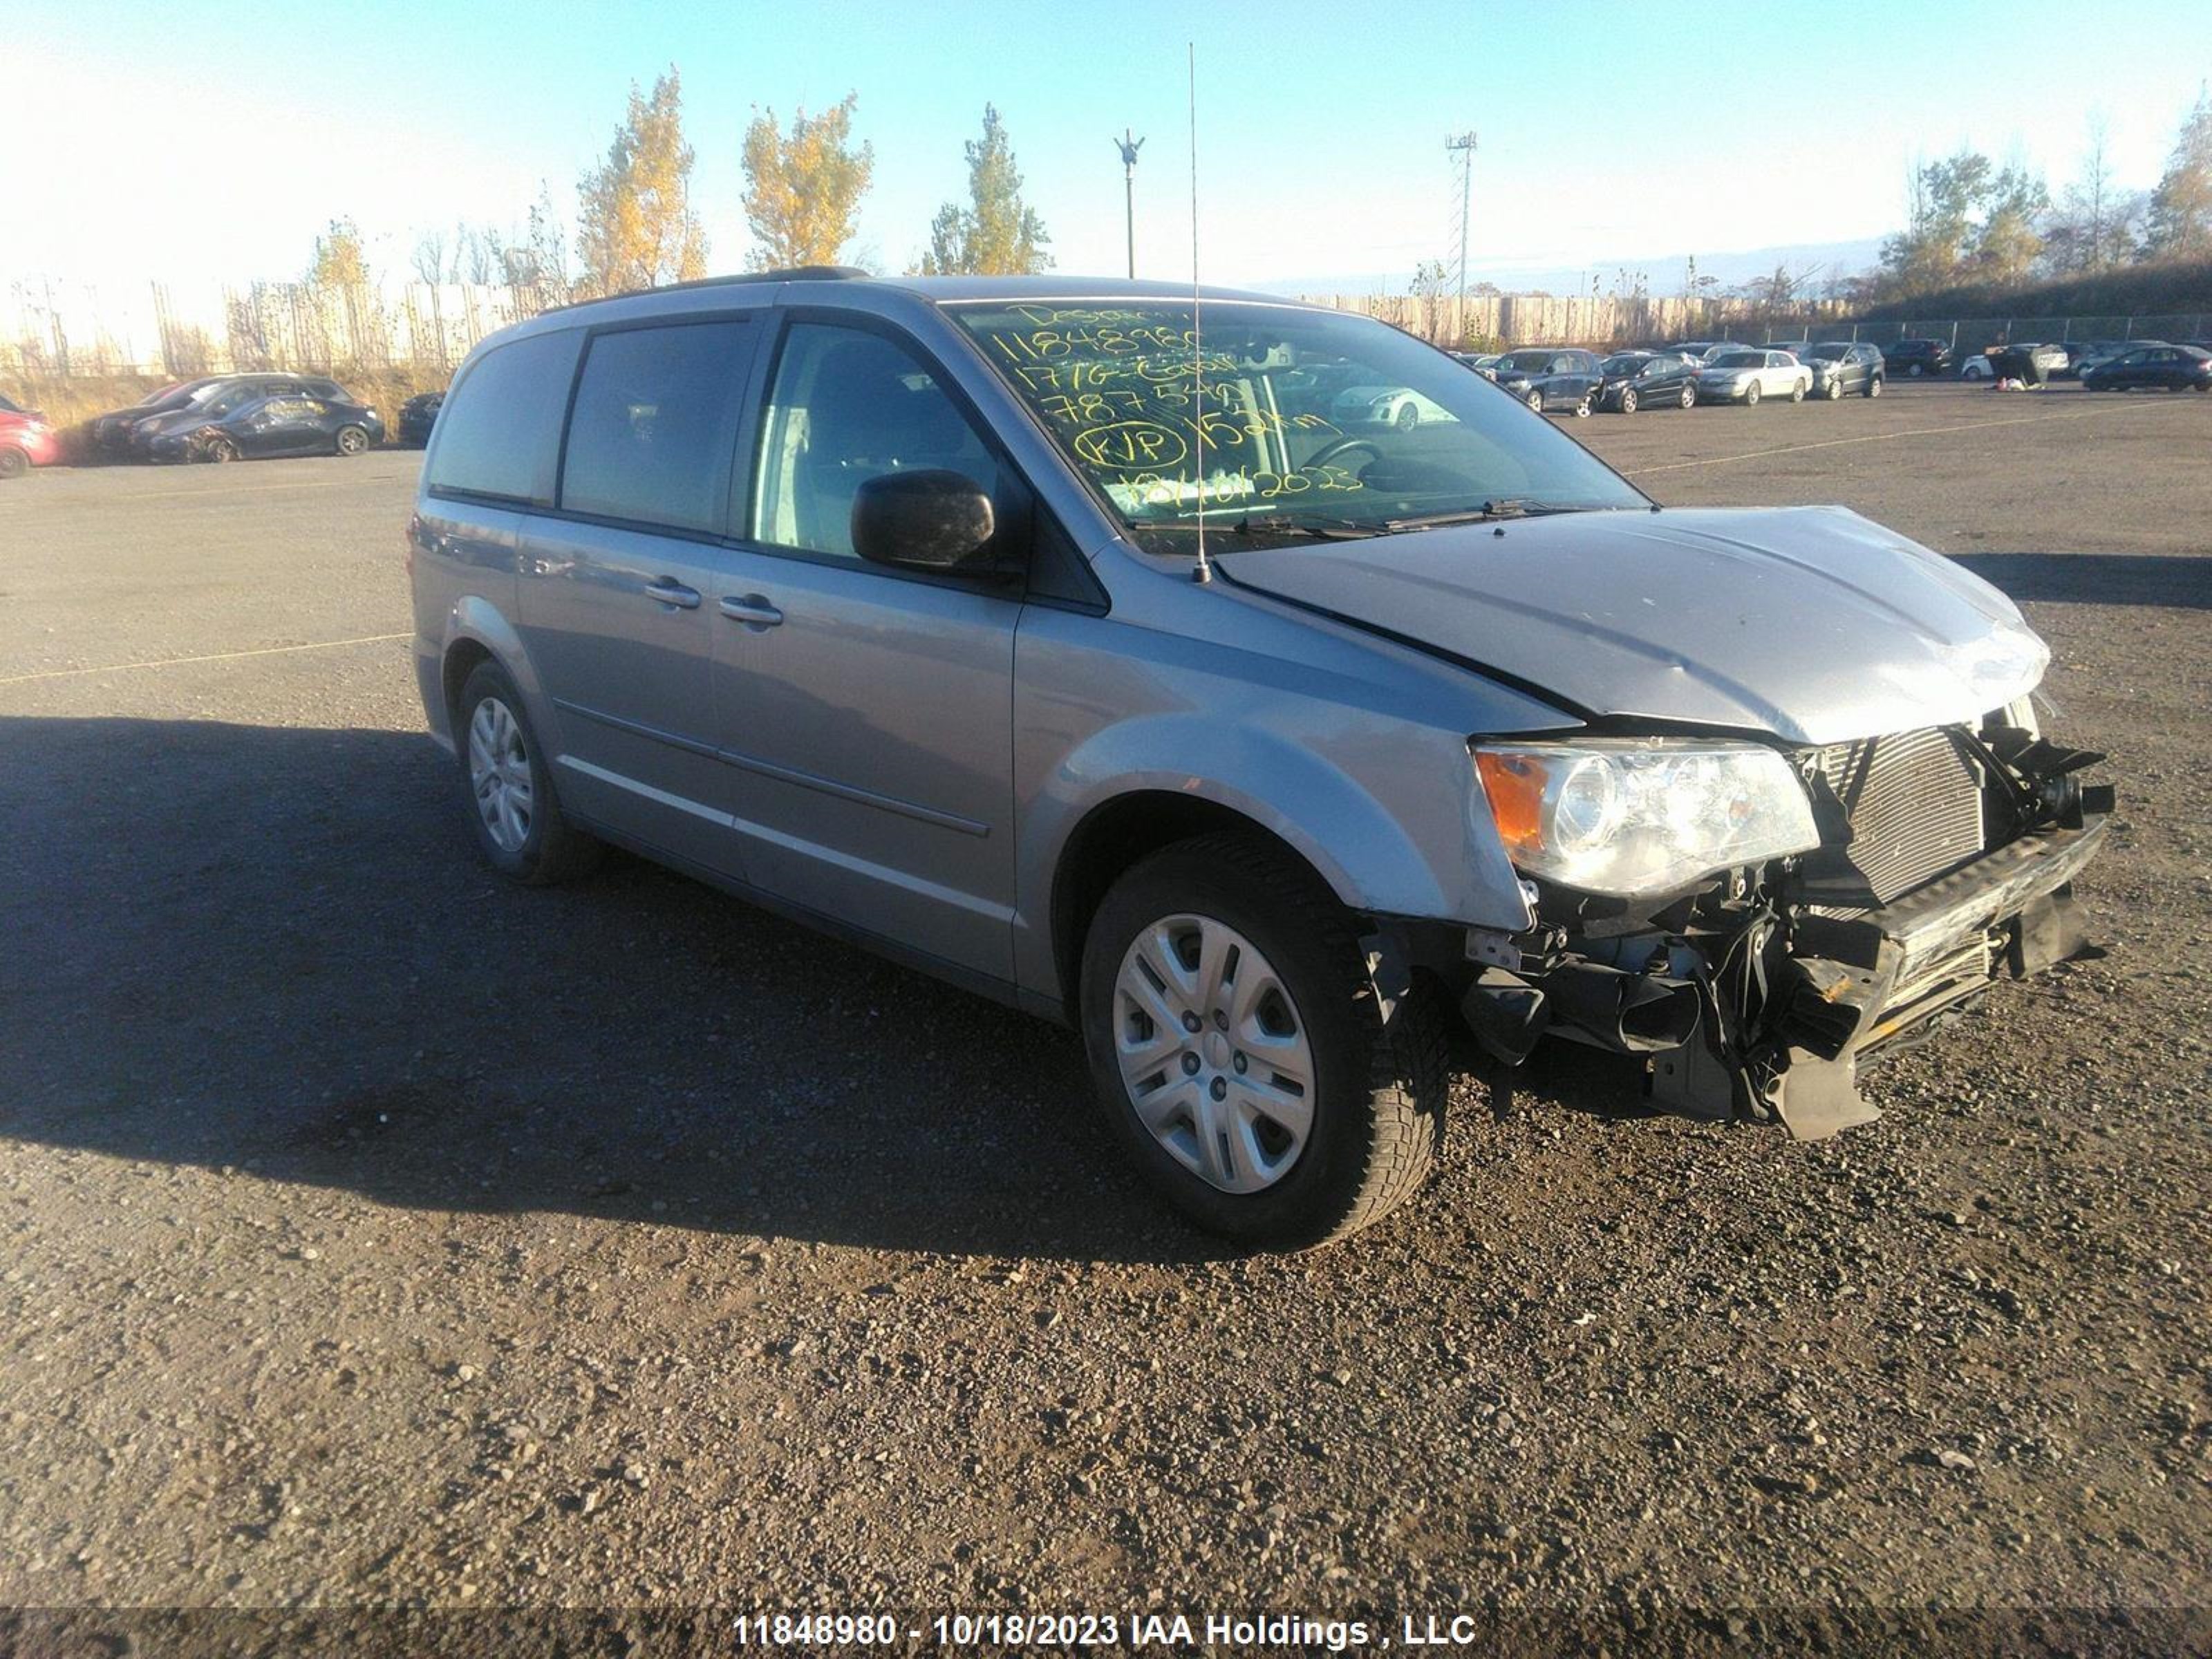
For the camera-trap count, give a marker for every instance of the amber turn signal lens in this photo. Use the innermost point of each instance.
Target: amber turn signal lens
(1515, 785)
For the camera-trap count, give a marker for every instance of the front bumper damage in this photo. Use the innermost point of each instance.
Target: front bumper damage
(1752, 999)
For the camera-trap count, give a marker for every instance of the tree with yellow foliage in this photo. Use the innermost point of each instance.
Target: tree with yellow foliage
(634, 224)
(340, 261)
(804, 189)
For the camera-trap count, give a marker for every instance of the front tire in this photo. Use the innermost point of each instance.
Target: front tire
(1873, 387)
(1214, 961)
(1535, 401)
(1835, 387)
(1409, 418)
(508, 786)
(1751, 395)
(13, 462)
(352, 440)
(1628, 400)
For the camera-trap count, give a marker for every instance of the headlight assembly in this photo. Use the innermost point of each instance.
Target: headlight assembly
(1633, 817)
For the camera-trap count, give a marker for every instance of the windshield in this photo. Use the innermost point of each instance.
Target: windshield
(11, 405)
(1299, 422)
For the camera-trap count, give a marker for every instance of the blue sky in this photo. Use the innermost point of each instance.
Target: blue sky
(1608, 131)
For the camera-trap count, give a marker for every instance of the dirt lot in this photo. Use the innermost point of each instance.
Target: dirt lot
(375, 1233)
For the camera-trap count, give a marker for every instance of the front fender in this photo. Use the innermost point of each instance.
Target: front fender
(1366, 775)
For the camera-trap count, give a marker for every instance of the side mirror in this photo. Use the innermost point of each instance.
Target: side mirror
(923, 521)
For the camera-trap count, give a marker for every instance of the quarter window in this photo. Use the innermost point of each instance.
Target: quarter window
(497, 434)
(655, 427)
(848, 406)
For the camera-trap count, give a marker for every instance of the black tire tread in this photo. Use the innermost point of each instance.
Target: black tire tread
(1408, 1061)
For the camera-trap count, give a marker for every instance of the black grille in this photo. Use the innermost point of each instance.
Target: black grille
(1914, 804)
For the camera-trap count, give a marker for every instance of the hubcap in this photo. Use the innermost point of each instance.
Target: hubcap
(498, 775)
(1213, 1054)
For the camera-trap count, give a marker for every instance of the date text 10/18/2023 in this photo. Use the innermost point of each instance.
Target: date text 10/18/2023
(1169, 1631)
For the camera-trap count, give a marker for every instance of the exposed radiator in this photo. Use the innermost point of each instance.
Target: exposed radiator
(1914, 801)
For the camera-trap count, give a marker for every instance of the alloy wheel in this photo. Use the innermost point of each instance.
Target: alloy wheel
(1213, 1054)
(498, 775)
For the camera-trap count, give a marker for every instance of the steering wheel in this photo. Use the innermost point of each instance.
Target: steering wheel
(1336, 446)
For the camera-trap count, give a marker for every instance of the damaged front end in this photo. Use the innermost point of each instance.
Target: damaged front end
(1946, 858)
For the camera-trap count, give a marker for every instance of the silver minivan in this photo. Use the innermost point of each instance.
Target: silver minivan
(1058, 637)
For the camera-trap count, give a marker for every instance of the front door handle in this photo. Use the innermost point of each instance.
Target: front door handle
(669, 591)
(751, 610)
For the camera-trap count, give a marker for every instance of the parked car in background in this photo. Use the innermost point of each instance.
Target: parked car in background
(1753, 372)
(1796, 349)
(417, 415)
(1976, 367)
(1917, 358)
(2104, 351)
(230, 393)
(108, 435)
(248, 423)
(1706, 351)
(1842, 366)
(1630, 381)
(1550, 377)
(2153, 368)
(26, 439)
(2028, 362)
(1395, 406)
(868, 627)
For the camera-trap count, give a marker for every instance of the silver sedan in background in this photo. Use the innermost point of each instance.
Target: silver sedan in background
(1747, 376)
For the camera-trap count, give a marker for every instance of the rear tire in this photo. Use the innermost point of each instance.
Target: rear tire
(13, 462)
(1583, 407)
(1915, 370)
(1797, 391)
(535, 844)
(1373, 1111)
(1689, 397)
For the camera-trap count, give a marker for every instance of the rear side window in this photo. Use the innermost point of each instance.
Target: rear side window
(500, 428)
(655, 428)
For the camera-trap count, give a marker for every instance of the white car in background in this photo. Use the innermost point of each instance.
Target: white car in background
(1387, 405)
(1749, 375)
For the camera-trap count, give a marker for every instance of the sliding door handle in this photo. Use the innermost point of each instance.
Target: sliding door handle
(669, 591)
(751, 610)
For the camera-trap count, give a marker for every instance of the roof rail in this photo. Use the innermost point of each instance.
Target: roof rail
(792, 274)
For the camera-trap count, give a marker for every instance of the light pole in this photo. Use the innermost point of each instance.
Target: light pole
(1462, 147)
(1129, 147)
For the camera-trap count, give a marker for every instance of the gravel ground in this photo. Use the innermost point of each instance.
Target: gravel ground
(376, 1235)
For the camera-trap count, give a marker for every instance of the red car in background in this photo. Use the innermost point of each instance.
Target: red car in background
(26, 439)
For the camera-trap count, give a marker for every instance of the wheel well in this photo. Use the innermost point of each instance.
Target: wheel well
(461, 662)
(1112, 839)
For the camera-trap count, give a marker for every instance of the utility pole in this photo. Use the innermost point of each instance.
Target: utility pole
(1129, 147)
(1463, 147)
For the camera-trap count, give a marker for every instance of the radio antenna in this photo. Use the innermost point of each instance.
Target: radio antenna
(1200, 571)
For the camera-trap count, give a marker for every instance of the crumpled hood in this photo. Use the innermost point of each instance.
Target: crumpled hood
(1810, 622)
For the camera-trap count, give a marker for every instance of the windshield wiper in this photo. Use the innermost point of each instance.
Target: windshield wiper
(1502, 508)
(1332, 530)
